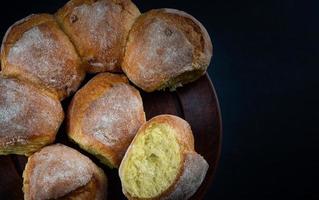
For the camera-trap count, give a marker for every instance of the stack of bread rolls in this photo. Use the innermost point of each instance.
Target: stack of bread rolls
(44, 59)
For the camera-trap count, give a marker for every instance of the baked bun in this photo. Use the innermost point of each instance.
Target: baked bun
(60, 172)
(37, 50)
(166, 48)
(29, 117)
(104, 117)
(99, 30)
(161, 162)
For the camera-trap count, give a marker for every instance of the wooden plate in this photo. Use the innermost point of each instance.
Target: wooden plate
(197, 103)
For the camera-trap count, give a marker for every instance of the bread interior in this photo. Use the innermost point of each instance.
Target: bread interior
(153, 162)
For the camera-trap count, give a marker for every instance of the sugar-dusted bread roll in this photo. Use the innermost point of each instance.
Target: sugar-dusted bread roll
(104, 117)
(99, 30)
(60, 172)
(161, 162)
(37, 50)
(166, 48)
(29, 117)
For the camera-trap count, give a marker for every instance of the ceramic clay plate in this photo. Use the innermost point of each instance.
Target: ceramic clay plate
(197, 103)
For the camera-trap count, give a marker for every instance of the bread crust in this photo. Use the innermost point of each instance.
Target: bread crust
(194, 170)
(36, 49)
(29, 117)
(51, 173)
(116, 111)
(99, 30)
(166, 48)
(193, 167)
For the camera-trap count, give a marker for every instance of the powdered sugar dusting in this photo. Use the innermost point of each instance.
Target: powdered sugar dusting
(40, 53)
(23, 110)
(163, 52)
(114, 116)
(58, 170)
(102, 32)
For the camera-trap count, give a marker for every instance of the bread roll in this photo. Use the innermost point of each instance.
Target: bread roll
(166, 48)
(60, 172)
(29, 117)
(104, 116)
(99, 30)
(161, 162)
(37, 50)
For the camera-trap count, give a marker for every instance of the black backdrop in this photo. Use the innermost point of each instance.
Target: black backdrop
(265, 72)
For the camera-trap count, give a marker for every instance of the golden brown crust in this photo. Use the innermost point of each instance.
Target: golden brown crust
(104, 116)
(166, 48)
(60, 172)
(99, 30)
(193, 167)
(29, 117)
(35, 49)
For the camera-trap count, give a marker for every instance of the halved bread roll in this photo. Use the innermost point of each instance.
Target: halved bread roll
(166, 48)
(37, 50)
(60, 172)
(29, 117)
(104, 117)
(99, 30)
(161, 162)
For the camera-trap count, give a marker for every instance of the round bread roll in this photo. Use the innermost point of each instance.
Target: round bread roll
(29, 117)
(99, 30)
(37, 50)
(161, 162)
(166, 48)
(60, 172)
(104, 117)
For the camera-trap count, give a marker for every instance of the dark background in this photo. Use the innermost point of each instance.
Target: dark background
(265, 71)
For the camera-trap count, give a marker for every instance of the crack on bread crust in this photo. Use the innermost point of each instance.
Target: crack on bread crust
(182, 79)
